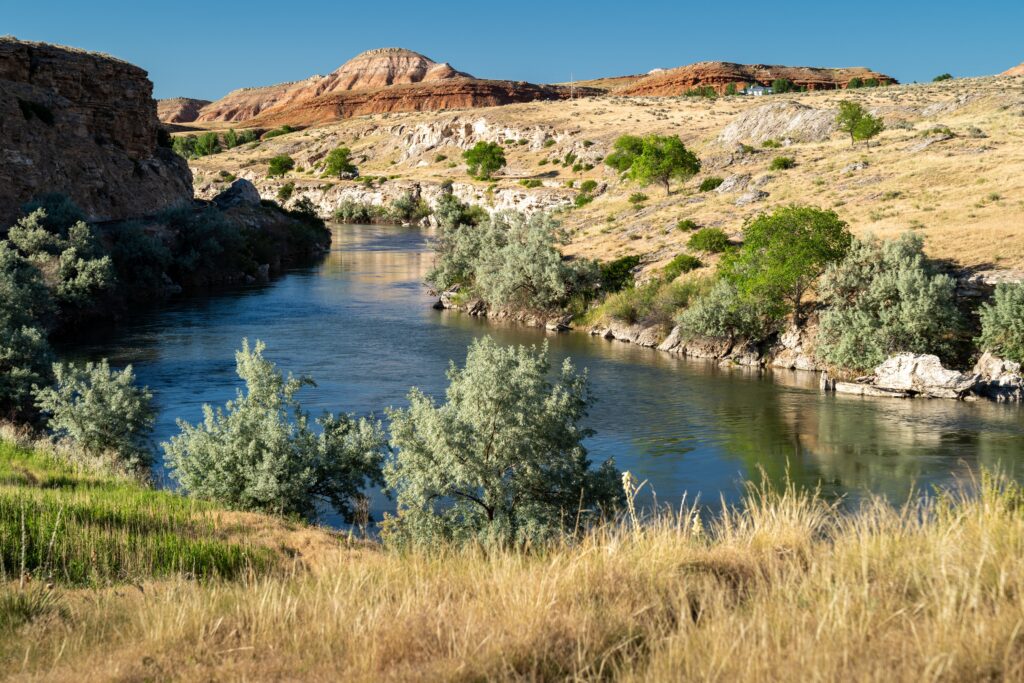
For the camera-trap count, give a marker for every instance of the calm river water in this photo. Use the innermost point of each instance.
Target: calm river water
(361, 324)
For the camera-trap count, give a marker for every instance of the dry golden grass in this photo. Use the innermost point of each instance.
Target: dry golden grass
(789, 588)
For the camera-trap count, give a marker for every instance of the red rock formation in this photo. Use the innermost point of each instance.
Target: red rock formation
(1015, 71)
(83, 124)
(179, 109)
(719, 75)
(463, 93)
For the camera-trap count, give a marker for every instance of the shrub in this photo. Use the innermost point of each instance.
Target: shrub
(711, 240)
(24, 351)
(686, 224)
(942, 77)
(637, 198)
(531, 182)
(356, 212)
(722, 312)
(280, 165)
(501, 460)
(61, 212)
(582, 199)
(1002, 323)
(782, 163)
(260, 451)
(246, 137)
(730, 89)
(588, 186)
(855, 82)
(711, 183)
(701, 91)
(884, 298)
(683, 263)
(283, 130)
(102, 412)
(549, 142)
(653, 159)
(205, 242)
(184, 146)
(618, 274)
(409, 208)
(140, 260)
(339, 163)
(771, 144)
(284, 193)
(871, 82)
(231, 138)
(484, 159)
(206, 144)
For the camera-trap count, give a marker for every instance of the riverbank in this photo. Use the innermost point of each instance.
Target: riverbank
(786, 587)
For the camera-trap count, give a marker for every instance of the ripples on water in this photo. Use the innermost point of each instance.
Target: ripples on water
(361, 324)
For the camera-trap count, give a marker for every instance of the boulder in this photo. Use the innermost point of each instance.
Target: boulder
(922, 375)
(241, 192)
(734, 183)
(794, 350)
(998, 379)
(751, 197)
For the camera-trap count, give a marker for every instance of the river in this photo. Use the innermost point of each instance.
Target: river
(362, 325)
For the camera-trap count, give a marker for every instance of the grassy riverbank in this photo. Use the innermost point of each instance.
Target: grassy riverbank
(126, 583)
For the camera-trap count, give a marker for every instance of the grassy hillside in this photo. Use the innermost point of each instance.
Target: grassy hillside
(789, 588)
(950, 164)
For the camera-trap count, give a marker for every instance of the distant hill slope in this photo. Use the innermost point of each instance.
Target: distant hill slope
(720, 74)
(1015, 71)
(179, 109)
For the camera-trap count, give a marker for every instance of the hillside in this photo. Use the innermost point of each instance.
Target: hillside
(376, 81)
(950, 164)
(179, 109)
(1015, 71)
(719, 75)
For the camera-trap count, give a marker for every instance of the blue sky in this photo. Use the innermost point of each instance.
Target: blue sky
(204, 49)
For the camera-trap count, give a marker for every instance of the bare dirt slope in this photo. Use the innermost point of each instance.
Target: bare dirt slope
(950, 164)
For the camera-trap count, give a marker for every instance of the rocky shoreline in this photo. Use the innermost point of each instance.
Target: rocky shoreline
(904, 375)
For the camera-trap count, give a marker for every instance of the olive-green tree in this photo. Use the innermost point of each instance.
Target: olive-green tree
(484, 159)
(24, 350)
(501, 461)
(855, 120)
(1002, 323)
(339, 163)
(653, 159)
(261, 452)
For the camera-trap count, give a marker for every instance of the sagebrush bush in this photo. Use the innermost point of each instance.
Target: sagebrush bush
(711, 240)
(501, 460)
(782, 163)
(101, 412)
(885, 298)
(1002, 323)
(686, 224)
(710, 183)
(261, 452)
(723, 312)
(683, 263)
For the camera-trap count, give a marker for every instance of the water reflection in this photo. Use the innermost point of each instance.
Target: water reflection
(362, 325)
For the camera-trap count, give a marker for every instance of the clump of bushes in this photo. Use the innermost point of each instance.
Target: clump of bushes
(1002, 323)
(782, 163)
(883, 298)
(284, 193)
(711, 240)
(357, 212)
(637, 198)
(618, 274)
(771, 144)
(701, 91)
(710, 183)
(283, 130)
(531, 183)
(409, 208)
(280, 165)
(683, 263)
(686, 224)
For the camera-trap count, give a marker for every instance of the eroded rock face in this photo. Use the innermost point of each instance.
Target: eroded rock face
(241, 192)
(1015, 71)
(781, 121)
(922, 375)
(85, 125)
(179, 109)
(719, 75)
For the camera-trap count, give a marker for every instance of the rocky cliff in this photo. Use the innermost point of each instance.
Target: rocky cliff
(179, 109)
(85, 125)
(375, 82)
(719, 75)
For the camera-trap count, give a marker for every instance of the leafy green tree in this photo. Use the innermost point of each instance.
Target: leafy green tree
(781, 85)
(784, 253)
(501, 461)
(339, 163)
(206, 144)
(24, 350)
(618, 274)
(101, 411)
(653, 159)
(260, 452)
(884, 298)
(1002, 323)
(231, 138)
(484, 159)
(857, 122)
(280, 165)
(184, 146)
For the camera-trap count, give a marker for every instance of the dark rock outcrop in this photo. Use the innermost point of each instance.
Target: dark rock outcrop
(82, 124)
